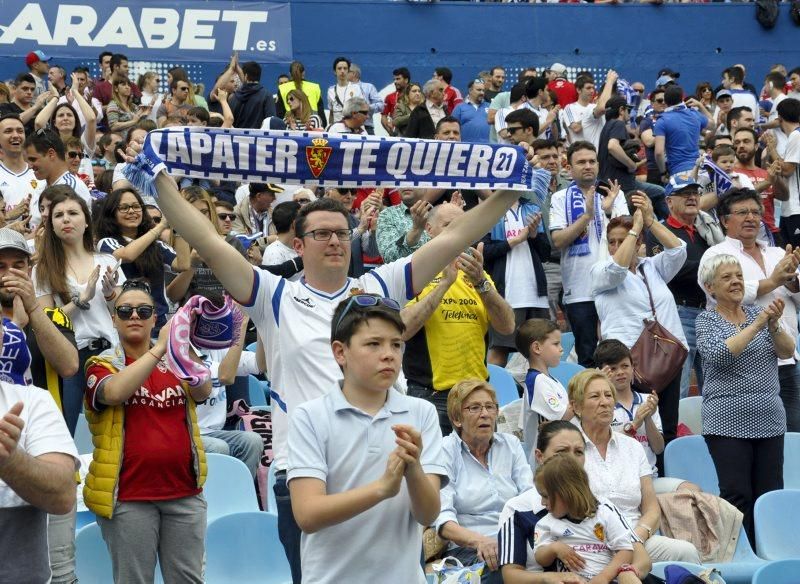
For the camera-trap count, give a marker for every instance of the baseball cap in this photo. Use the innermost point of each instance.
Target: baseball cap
(558, 68)
(724, 93)
(664, 80)
(678, 182)
(10, 239)
(616, 102)
(669, 73)
(35, 57)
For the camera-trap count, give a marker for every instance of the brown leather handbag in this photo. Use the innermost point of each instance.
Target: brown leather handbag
(657, 355)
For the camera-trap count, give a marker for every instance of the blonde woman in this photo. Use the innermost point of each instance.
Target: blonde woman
(298, 115)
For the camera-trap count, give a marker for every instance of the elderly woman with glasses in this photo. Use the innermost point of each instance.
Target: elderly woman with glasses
(145, 482)
(126, 231)
(744, 420)
(486, 469)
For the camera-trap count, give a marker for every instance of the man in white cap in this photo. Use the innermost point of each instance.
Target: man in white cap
(557, 81)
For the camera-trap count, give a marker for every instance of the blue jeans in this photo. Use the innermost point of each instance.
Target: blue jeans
(73, 390)
(656, 195)
(583, 320)
(469, 557)
(693, 359)
(288, 530)
(789, 379)
(246, 446)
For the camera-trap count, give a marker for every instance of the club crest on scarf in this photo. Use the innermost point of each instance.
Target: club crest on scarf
(318, 155)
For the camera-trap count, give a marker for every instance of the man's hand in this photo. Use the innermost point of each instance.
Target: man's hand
(18, 283)
(11, 426)
(21, 209)
(521, 236)
(472, 264)
(450, 273)
(588, 200)
(222, 95)
(419, 214)
(785, 271)
(612, 76)
(609, 196)
(533, 225)
(774, 171)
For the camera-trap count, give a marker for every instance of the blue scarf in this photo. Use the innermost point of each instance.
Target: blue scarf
(15, 359)
(576, 206)
(321, 159)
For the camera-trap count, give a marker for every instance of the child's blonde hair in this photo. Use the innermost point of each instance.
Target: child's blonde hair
(562, 477)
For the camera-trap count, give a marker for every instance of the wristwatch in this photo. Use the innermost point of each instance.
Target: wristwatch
(483, 286)
(629, 429)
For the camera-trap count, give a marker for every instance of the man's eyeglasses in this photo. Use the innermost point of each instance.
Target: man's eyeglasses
(363, 112)
(326, 234)
(134, 208)
(365, 301)
(476, 409)
(144, 311)
(744, 213)
(513, 129)
(73, 154)
(226, 216)
(658, 100)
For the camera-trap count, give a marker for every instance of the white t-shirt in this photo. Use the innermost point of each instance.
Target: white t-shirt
(743, 98)
(16, 187)
(622, 416)
(211, 413)
(45, 430)
(595, 539)
(792, 154)
(294, 320)
(575, 270)
(96, 322)
(591, 126)
(70, 180)
(337, 98)
(277, 253)
(520, 291)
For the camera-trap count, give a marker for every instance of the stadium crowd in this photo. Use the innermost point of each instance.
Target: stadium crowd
(376, 313)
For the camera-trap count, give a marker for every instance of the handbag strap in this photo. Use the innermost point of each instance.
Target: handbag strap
(649, 293)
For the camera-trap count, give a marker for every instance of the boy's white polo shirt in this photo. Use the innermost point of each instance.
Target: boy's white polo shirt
(294, 321)
(335, 442)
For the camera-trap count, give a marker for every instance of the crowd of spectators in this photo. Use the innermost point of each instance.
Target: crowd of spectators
(377, 313)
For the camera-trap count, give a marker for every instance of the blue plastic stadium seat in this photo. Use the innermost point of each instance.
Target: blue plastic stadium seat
(229, 487)
(776, 516)
(244, 548)
(93, 564)
(251, 346)
(791, 461)
(565, 371)
(256, 392)
(744, 564)
(782, 572)
(567, 343)
(688, 458)
(503, 383)
(659, 568)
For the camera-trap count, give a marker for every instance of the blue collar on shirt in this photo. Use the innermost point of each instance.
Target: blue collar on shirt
(637, 399)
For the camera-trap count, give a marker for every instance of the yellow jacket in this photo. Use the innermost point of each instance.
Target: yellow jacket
(312, 91)
(108, 436)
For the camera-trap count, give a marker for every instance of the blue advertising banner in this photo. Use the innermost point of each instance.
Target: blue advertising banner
(314, 158)
(207, 31)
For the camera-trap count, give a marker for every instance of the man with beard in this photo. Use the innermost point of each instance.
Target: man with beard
(402, 78)
(768, 183)
(700, 231)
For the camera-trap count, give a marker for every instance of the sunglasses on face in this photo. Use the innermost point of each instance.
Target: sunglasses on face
(143, 311)
(226, 216)
(75, 154)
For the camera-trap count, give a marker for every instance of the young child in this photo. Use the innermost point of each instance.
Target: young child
(723, 156)
(539, 341)
(365, 462)
(636, 414)
(585, 536)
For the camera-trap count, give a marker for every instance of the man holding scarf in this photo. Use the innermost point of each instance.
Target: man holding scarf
(578, 218)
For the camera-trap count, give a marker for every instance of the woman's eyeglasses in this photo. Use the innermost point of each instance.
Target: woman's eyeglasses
(135, 208)
(143, 311)
(476, 409)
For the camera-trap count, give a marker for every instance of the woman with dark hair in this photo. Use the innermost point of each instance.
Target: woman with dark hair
(145, 482)
(125, 231)
(71, 275)
(620, 290)
(63, 117)
(299, 116)
(704, 93)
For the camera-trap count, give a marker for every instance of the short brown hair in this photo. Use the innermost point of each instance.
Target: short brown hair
(460, 392)
(534, 329)
(562, 477)
(722, 150)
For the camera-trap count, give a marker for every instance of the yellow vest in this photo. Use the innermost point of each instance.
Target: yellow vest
(312, 91)
(107, 428)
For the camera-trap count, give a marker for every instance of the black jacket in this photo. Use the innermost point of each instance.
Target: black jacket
(420, 124)
(251, 104)
(495, 254)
